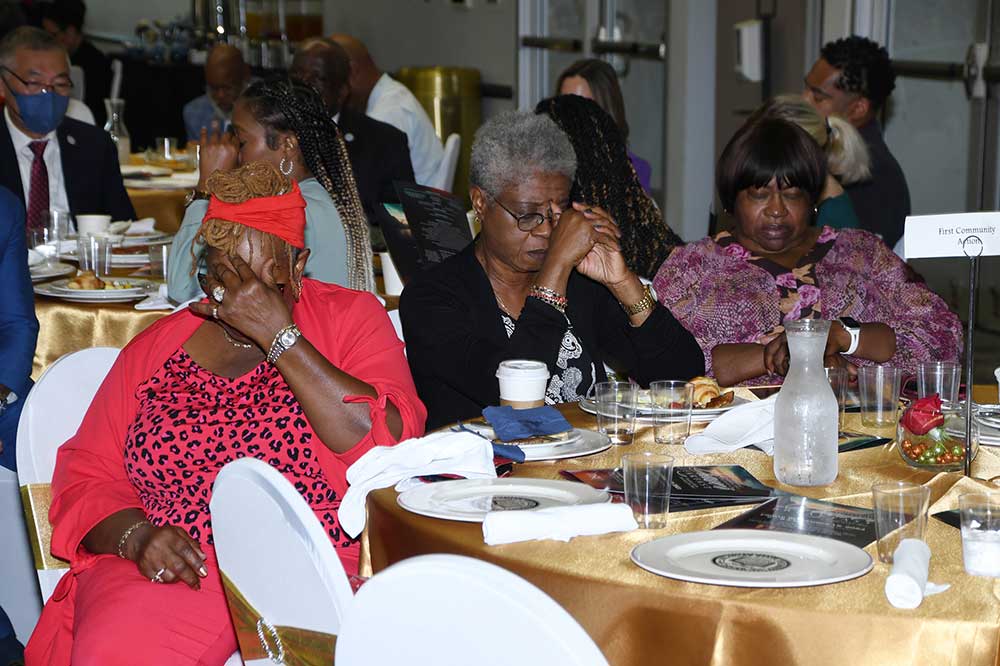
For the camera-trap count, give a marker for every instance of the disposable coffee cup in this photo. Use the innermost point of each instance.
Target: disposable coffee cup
(92, 224)
(522, 383)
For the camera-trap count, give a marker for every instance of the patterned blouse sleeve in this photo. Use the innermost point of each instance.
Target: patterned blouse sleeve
(676, 285)
(926, 330)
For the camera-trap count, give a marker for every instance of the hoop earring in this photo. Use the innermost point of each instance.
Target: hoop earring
(281, 167)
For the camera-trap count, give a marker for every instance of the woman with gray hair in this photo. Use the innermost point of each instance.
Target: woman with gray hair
(544, 280)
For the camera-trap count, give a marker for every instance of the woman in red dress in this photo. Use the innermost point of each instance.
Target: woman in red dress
(304, 375)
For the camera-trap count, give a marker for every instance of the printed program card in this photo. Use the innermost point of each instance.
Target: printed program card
(954, 235)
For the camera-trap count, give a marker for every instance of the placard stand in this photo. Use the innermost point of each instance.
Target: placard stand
(973, 247)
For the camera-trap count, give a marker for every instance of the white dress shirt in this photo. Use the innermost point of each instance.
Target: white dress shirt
(392, 102)
(53, 163)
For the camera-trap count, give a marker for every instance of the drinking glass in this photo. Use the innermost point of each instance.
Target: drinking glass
(159, 260)
(941, 377)
(838, 379)
(616, 402)
(879, 395)
(94, 254)
(980, 515)
(900, 513)
(672, 410)
(41, 241)
(648, 477)
(60, 224)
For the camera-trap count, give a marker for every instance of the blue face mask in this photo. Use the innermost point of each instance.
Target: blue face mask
(43, 112)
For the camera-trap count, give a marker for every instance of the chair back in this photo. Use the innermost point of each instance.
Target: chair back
(79, 90)
(444, 179)
(286, 587)
(52, 413)
(451, 610)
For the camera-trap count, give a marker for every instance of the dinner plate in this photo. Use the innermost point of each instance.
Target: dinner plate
(752, 558)
(46, 289)
(138, 287)
(43, 272)
(175, 181)
(143, 171)
(576, 443)
(117, 260)
(147, 238)
(469, 500)
(989, 425)
(647, 414)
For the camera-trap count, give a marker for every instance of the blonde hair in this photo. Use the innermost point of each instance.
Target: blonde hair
(250, 181)
(846, 152)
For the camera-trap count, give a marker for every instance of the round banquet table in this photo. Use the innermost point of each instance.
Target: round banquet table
(637, 617)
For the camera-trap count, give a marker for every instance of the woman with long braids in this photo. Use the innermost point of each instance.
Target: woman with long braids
(302, 375)
(284, 122)
(605, 177)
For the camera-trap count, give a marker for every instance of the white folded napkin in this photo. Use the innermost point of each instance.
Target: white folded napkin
(907, 583)
(460, 453)
(561, 523)
(34, 257)
(746, 425)
(157, 301)
(141, 227)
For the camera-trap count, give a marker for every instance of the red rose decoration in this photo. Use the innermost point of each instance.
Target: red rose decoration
(923, 415)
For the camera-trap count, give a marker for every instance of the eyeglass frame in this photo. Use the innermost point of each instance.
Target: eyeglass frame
(551, 217)
(41, 87)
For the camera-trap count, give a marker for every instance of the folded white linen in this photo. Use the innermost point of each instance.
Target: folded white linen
(561, 523)
(907, 583)
(157, 301)
(746, 425)
(459, 453)
(141, 227)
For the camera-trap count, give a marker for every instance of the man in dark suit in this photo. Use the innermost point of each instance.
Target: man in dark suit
(378, 151)
(63, 19)
(47, 160)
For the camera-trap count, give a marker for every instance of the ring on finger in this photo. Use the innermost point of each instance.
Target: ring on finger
(215, 312)
(218, 292)
(158, 576)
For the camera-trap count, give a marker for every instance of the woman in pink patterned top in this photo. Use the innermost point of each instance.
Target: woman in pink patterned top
(734, 292)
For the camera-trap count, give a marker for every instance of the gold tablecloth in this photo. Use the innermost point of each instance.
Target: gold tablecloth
(636, 617)
(164, 206)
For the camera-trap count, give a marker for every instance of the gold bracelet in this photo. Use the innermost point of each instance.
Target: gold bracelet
(126, 535)
(647, 302)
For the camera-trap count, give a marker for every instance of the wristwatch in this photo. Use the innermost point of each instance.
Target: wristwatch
(195, 195)
(853, 328)
(283, 341)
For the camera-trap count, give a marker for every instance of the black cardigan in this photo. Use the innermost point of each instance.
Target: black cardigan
(455, 339)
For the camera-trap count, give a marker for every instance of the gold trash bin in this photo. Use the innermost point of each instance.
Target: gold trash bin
(453, 99)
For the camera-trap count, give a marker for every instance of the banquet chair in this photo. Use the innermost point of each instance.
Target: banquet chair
(286, 588)
(444, 178)
(451, 610)
(68, 385)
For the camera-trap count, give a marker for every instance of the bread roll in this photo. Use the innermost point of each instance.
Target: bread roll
(705, 389)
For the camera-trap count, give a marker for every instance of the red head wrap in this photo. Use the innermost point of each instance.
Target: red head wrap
(283, 216)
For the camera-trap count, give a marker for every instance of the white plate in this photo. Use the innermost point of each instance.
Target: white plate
(46, 289)
(48, 272)
(139, 287)
(647, 414)
(148, 238)
(752, 558)
(177, 181)
(117, 260)
(486, 431)
(469, 500)
(142, 170)
(579, 442)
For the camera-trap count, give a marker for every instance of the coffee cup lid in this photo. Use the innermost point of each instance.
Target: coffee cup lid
(523, 369)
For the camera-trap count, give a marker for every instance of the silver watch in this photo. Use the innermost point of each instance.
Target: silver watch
(283, 341)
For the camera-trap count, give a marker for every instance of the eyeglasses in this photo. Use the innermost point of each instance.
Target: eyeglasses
(529, 221)
(62, 85)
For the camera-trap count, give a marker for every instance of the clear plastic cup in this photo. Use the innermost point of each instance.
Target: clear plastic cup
(616, 404)
(648, 478)
(940, 377)
(980, 515)
(879, 386)
(671, 402)
(900, 513)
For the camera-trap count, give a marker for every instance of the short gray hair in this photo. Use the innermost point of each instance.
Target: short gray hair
(513, 145)
(27, 37)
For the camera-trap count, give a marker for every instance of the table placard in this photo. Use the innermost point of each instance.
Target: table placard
(952, 235)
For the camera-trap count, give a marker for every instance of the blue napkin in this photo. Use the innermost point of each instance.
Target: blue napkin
(510, 424)
(508, 451)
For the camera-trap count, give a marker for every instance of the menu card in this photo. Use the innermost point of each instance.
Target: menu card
(803, 515)
(695, 487)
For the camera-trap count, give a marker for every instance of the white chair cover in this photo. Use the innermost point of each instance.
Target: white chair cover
(444, 179)
(67, 387)
(18, 590)
(450, 610)
(276, 553)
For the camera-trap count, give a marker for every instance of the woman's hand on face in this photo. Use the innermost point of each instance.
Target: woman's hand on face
(604, 263)
(171, 550)
(218, 151)
(579, 229)
(252, 305)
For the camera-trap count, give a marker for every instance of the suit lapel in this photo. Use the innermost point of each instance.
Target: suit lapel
(10, 172)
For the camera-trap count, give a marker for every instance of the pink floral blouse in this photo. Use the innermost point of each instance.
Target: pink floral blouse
(722, 293)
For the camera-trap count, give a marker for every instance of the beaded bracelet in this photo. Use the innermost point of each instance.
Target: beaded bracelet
(549, 297)
(126, 535)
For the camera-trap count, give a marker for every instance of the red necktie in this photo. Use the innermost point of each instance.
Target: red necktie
(38, 190)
